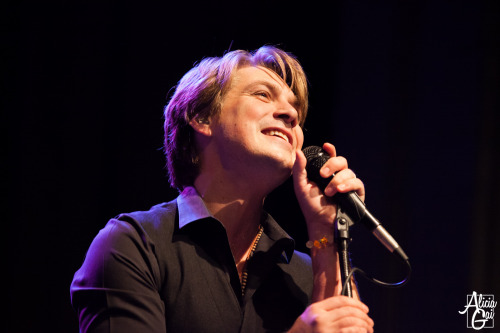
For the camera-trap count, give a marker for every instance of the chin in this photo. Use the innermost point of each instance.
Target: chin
(272, 172)
(282, 165)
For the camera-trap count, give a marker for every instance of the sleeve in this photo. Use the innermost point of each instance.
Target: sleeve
(117, 287)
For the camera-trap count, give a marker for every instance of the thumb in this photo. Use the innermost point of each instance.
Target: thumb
(299, 170)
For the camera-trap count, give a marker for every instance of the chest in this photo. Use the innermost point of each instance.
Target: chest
(202, 292)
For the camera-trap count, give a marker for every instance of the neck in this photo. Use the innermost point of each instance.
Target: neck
(236, 205)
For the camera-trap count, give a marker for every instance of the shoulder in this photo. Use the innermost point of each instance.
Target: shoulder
(128, 243)
(142, 228)
(159, 220)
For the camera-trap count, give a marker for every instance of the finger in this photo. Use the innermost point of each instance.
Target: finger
(343, 318)
(345, 181)
(333, 165)
(336, 302)
(353, 184)
(355, 325)
(341, 182)
(330, 149)
(343, 176)
(352, 324)
(299, 169)
(349, 317)
(349, 313)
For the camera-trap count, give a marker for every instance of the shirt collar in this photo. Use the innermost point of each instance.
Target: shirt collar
(191, 207)
(276, 234)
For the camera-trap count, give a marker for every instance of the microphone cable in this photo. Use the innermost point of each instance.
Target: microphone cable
(376, 281)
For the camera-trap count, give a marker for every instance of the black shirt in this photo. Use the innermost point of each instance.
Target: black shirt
(170, 269)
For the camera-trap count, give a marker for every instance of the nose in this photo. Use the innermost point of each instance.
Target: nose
(288, 114)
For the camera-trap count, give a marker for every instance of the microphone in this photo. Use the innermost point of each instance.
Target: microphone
(350, 202)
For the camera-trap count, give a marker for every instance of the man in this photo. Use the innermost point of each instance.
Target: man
(212, 260)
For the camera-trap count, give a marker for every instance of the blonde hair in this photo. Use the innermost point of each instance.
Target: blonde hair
(199, 95)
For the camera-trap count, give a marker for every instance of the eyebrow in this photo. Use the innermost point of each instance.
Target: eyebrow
(275, 89)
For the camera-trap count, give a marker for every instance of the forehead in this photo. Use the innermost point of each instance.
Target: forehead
(250, 74)
(249, 77)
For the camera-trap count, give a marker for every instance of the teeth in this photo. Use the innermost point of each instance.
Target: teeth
(278, 134)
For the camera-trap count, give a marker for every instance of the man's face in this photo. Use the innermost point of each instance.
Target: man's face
(258, 123)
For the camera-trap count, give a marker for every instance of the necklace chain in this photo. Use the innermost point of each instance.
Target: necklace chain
(244, 274)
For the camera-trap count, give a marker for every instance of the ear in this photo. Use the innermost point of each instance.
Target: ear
(201, 125)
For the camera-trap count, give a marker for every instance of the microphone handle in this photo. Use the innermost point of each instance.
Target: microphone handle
(354, 207)
(350, 201)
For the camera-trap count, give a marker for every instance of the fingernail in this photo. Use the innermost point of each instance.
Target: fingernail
(341, 187)
(325, 171)
(329, 190)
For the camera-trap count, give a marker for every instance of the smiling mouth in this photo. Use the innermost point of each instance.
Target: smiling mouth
(278, 134)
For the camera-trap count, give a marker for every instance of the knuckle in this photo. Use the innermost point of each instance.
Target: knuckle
(353, 330)
(337, 163)
(342, 161)
(314, 308)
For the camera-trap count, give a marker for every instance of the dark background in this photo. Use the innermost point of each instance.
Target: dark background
(406, 90)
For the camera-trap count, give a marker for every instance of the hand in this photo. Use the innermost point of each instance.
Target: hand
(320, 213)
(317, 208)
(335, 314)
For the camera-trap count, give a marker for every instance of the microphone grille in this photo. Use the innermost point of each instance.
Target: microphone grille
(312, 152)
(316, 158)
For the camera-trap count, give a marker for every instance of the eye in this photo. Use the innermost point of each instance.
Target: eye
(263, 94)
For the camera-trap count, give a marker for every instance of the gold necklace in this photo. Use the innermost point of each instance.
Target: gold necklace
(244, 274)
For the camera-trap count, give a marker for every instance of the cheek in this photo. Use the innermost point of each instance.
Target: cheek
(242, 129)
(237, 132)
